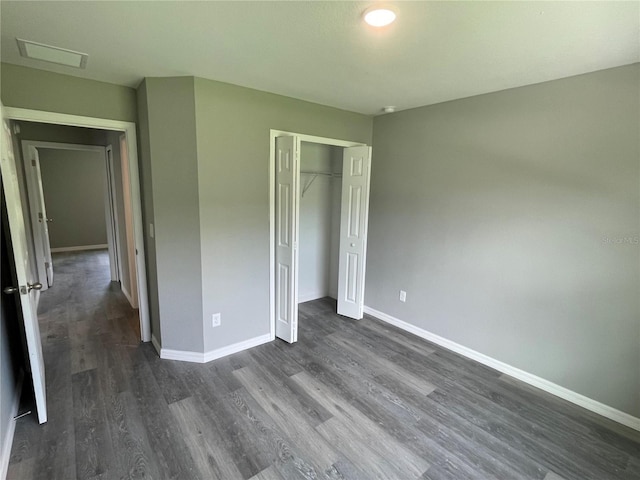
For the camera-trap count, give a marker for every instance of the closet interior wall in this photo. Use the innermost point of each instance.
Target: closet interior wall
(319, 221)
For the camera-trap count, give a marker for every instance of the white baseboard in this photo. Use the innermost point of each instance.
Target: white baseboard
(7, 441)
(205, 357)
(155, 343)
(311, 296)
(80, 247)
(181, 355)
(550, 387)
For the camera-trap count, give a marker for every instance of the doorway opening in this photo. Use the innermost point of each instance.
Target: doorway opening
(18, 206)
(79, 200)
(319, 197)
(125, 245)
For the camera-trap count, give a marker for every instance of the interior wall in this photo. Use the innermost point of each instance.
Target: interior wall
(170, 171)
(146, 192)
(34, 89)
(314, 242)
(47, 132)
(73, 182)
(43, 132)
(512, 222)
(233, 128)
(30, 88)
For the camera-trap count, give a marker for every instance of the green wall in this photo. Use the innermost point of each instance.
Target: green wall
(204, 161)
(170, 174)
(146, 191)
(512, 222)
(511, 219)
(204, 158)
(233, 126)
(204, 150)
(52, 92)
(73, 182)
(29, 88)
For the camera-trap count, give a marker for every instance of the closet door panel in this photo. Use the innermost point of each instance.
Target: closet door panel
(353, 230)
(286, 281)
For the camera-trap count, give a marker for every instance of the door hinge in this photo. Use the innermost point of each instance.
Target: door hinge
(47, 264)
(40, 217)
(33, 162)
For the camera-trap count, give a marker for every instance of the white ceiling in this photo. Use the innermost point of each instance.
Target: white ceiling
(324, 53)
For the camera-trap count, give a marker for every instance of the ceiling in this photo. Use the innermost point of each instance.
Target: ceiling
(323, 52)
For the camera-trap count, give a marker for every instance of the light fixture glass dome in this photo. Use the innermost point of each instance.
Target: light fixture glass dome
(379, 17)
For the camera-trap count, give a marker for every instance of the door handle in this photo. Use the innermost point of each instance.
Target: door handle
(49, 220)
(30, 286)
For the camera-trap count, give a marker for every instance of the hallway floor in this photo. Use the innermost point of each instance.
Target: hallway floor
(350, 400)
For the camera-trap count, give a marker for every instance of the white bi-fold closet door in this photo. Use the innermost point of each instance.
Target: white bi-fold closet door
(356, 165)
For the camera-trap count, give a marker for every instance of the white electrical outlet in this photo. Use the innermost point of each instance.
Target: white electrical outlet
(215, 320)
(403, 296)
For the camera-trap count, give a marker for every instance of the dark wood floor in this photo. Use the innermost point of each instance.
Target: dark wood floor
(352, 400)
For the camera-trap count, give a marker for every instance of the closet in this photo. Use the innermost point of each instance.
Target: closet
(320, 226)
(319, 233)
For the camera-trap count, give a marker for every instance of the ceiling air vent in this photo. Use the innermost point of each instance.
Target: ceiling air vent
(47, 53)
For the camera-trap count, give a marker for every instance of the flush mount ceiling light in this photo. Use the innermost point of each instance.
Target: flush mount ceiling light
(379, 16)
(47, 53)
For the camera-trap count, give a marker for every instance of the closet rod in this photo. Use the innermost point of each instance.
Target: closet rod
(315, 175)
(326, 174)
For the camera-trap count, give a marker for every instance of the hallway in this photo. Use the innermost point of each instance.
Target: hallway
(88, 332)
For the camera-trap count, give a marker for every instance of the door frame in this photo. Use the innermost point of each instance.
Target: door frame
(272, 209)
(108, 200)
(116, 265)
(129, 229)
(31, 215)
(129, 129)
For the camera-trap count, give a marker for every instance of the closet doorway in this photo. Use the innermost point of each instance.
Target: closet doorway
(319, 196)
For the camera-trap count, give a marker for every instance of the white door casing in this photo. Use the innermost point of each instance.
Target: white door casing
(128, 223)
(23, 271)
(30, 149)
(111, 215)
(356, 173)
(38, 214)
(287, 163)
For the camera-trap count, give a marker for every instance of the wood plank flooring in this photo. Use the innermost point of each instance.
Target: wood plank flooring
(350, 400)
